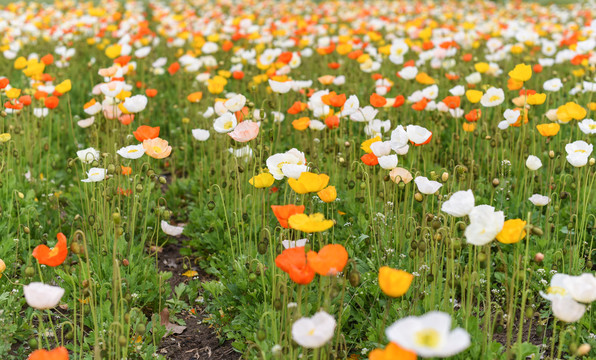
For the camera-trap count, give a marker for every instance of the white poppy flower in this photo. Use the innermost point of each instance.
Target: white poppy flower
(567, 309)
(350, 106)
(317, 125)
(552, 85)
(381, 148)
(132, 151)
(236, 103)
(95, 175)
(41, 296)
(427, 186)
(93, 109)
(135, 104)
(458, 90)
(276, 162)
(485, 224)
(399, 140)
(142, 52)
(225, 123)
(293, 170)
(587, 126)
(365, 114)
(41, 112)
(582, 288)
(429, 335)
(539, 200)
(418, 135)
(88, 155)
(533, 163)
(388, 162)
(200, 134)
(111, 89)
(408, 73)
(280, 87)
(85, 123)
(492, 97)
(315, 331)
(461, 203)
(287, 244)
(171, 229)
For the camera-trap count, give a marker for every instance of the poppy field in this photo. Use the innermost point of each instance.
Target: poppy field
(384, 180)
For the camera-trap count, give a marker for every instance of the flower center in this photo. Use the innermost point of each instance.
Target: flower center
(53, 252)
(157, 149)
(427, 338)
(228, 125)
(556, 290)
(494, 98)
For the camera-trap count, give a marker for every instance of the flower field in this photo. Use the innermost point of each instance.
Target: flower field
(384, 180)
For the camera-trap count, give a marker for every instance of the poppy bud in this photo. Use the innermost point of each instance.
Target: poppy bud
(583, 350)
(496, 182)
(122, 340)
(261, 334)
(116, 217)
(445, 176)
(111, 168)
(139, 188)
(75, 248)
(354, 278)
(29, 271)
(418, 197)
(262, 248)
(551, 154)
(140, 329)
(537, 231)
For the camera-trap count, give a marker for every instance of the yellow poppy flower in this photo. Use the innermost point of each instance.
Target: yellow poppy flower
(512, 232)
(64, 87)
(309, 182)
(536, 99)
(328, 194)
(521, 72)
(474, 96)
(263, 180)
(310, 223)
(548, 129)
(393, 282)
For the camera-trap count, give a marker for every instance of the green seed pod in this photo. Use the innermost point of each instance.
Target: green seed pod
(116, 218)
(140, 329)
(211, 205)
(262, 247)
(261, 334)
(122, 340)
(33, 343)
(277, 304)
(252, 277)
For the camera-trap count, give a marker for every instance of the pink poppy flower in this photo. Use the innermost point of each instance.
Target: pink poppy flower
(245, 131)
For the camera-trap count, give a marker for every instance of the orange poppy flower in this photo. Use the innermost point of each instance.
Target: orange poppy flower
(333, 65)
(392, 352)
(59, 353)
(283, 213)
(25, 100)
(293, 262)
(451, 76)
(332, 121)
(370, 159)
(469, 127)
(301, 124)
(467, 57)
(514, 84)
(337, 100)
(54, 256)
(537, 68)
(285, 57)
(238, 75)
(40, 95)
(452, 102)
(173, 68)
(123, 60)
(47, 59)
(4, 83)
(355, 54)
(399, 101)
(524, 115)
(377, 100)
(195, 97)
(51, 102)
(227, 46)
(126, 170)
(409, 63)
(151, 92)
(297, 107)
(420, 105)
(473, 115)
(548, 129)
(330, 260)
(145, 132)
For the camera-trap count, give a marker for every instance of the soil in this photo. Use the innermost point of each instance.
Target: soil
(198, 340)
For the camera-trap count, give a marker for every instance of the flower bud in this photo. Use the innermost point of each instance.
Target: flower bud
(539, 257)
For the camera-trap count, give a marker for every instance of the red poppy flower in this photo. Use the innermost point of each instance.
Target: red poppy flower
(293, 262)
(473, 115)
(377, 100)
(332, 122)
(333, 65)
(452, 102)
(173, 68)
(52, 257)
(370, 159)
(467, 57)
(4, 82)
(283, 213)
(25, 100)
(145, 132)
(330, 260)
(51, 102)
(59, 353)
(151, 92)
(399, 101)
(238, 75)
